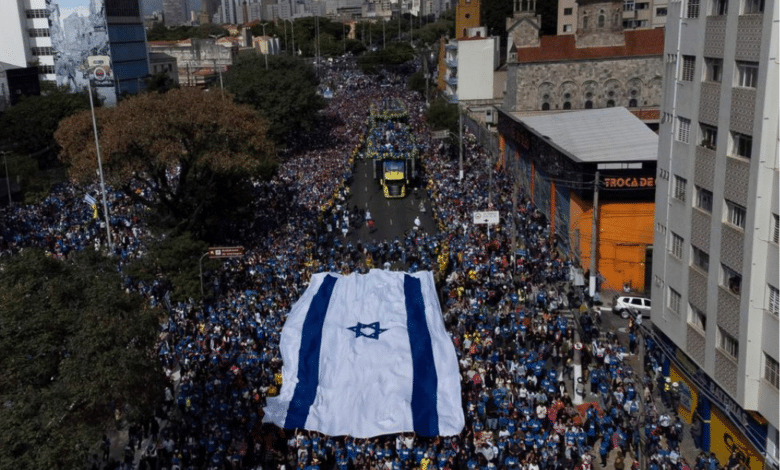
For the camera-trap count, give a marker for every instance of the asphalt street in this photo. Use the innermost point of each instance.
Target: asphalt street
(392, 217)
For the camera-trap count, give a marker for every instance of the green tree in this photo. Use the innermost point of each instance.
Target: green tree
(442, 115)
(75, 347)
(210, 142)
(390, 57)
(28, 128)
(176, 258)
(285, 93)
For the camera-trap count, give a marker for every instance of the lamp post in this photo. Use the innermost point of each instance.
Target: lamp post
(221, 85)
(100, 167)
(460, 134)
(7, 179)
(265, 40)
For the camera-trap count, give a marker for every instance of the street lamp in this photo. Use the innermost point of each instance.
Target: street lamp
(292, 25)
(265, 40)
(221, 84)
(100, 166)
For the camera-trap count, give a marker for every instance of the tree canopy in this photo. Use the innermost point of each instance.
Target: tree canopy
(28, 128)
(390, 57)
(177, 153)
(285, 93)
(75, 347)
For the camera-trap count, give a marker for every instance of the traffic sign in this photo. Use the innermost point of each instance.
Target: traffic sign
(486, 217)
(578, 346)
(226, 252)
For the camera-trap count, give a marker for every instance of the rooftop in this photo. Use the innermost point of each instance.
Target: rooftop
(639, 42)
(596, 135)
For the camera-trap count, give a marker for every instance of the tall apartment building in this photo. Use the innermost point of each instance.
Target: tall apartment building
(715, 265)
(176, 12)
(26, 36)
(637, 14)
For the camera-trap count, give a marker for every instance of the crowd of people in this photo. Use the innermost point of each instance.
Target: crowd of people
(504, 309)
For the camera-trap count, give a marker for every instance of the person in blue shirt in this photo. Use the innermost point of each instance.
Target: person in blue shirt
(604, 450)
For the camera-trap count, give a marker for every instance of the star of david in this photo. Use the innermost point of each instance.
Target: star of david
(358, 329)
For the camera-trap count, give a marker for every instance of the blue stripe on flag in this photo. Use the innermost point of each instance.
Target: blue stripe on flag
(424, 411)
(309, 356)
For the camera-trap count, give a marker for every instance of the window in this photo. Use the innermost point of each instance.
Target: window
(679, 187)
(660, 11)
(567, 105)
(774, 299)
(588, 104)
(610, 103)
(775, 229)
(732, 280)
(38, 51)
(692, 10)
(683, 129)
(709, 136)
(752, 7)
(698, 319)
(743, 145)
(720, 7)
(674, 300)
(37, 13)
(735, 214)
(728, 343)
(602, 20)
(714, 70)
(632, 103)
(700, 259)
(747, 74)
(642, 6)
(771, 370)
(568, 11)
(46, 69)
(676, 246)
(628, 5)
(703, 199)
(38, 32)
(688, 68)
(567, 28)
(545, 106)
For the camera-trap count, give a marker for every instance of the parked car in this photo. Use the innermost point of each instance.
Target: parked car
(625, 305)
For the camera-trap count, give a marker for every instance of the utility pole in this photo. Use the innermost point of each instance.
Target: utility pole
(460, 141)
(265, 53)
(594, 238)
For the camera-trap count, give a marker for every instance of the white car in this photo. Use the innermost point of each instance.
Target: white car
(624, 305)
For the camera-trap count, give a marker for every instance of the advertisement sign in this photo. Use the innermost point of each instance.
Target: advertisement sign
(79, 37)
(725, 438)
(743, 429)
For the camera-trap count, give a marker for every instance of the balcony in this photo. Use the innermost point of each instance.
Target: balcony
(451, 63)
(453, 81)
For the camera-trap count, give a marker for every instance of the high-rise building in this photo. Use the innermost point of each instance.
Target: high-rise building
(715, 288)
(175, 12)
(26, 36)
(102, 41)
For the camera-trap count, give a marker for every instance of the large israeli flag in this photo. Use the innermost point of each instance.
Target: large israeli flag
(366, 355)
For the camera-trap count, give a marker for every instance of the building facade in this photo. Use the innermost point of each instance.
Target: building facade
(634, 15)
(715, 267)
(600, 66)
(196, 55)
(26, 36)
(556, 157)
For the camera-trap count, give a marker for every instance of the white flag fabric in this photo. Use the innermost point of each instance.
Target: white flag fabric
(366, 355)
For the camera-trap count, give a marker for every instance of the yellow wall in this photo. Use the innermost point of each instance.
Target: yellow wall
(725, 438)
(464, 9)
(625, 230)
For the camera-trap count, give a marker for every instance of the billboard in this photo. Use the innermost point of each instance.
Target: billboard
(79, 37)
